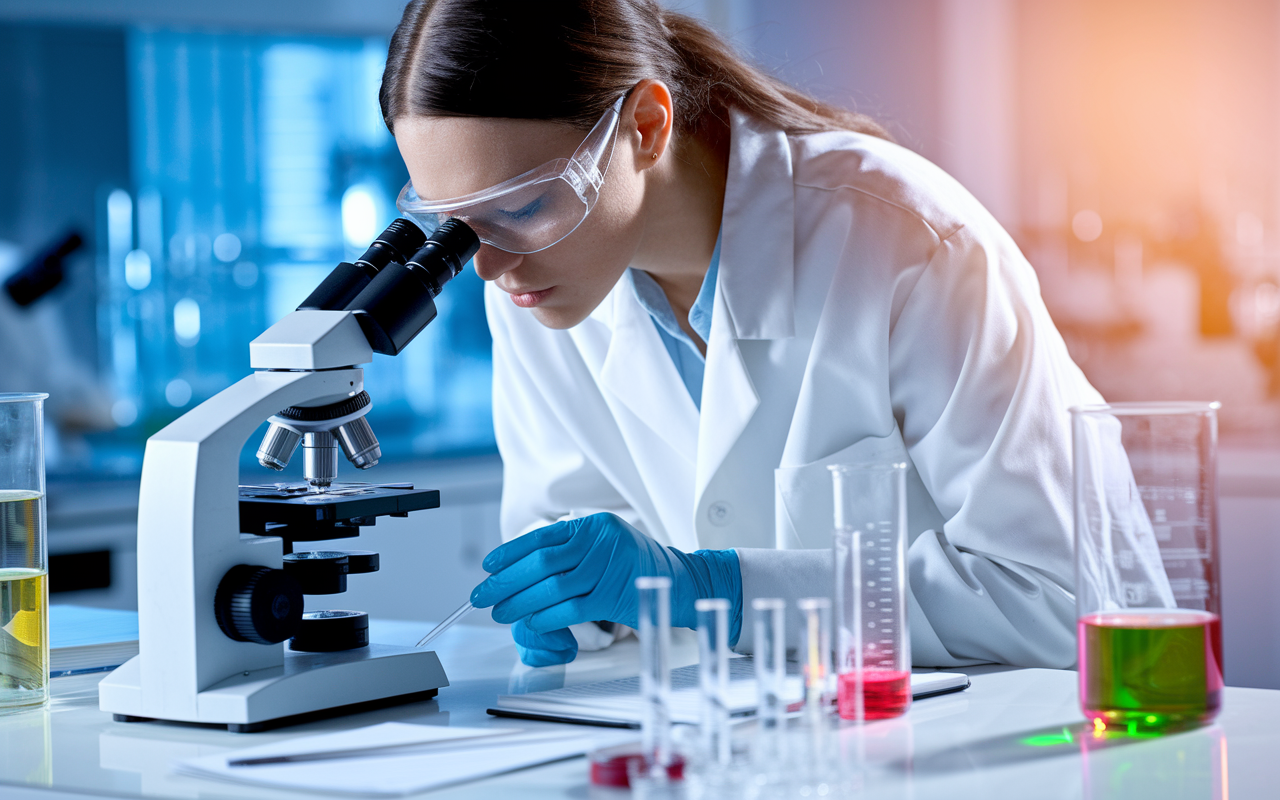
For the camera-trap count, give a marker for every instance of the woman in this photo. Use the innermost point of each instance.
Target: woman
(709, 275)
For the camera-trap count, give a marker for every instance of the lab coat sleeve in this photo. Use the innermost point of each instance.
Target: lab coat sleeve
(546, 476)
(787, 574)
(981, 383)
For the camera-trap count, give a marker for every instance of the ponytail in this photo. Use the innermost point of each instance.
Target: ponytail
(721, 79)
(569, 60)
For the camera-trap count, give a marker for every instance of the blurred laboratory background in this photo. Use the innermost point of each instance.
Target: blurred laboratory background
(175, 176)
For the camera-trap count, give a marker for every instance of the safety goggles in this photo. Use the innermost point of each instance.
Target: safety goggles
(533, 211)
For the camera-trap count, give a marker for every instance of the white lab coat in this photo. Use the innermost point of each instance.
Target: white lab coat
(867, 307)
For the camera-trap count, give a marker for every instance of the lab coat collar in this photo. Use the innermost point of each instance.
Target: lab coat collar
(757, 267)
(755, 299)
(757, 236)
(639, 373)
(755, 293)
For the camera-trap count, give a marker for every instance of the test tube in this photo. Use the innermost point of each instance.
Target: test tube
(813, 759)
(770, 658)
(655, 672)
(769, 751)
(819, 697)
(713, 652)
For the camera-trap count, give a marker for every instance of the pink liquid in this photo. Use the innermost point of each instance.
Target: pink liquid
(885, 693)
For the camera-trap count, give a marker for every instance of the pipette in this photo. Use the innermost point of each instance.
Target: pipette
(463, 610)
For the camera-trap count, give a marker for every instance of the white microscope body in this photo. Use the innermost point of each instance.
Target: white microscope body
(189, 537)
(189, 529)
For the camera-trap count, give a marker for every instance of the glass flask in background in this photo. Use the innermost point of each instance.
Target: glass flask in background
(873, 646)
(1148, 594)
(24, 590)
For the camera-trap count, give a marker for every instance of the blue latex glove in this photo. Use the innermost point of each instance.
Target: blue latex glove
(584, 570)
(544, 649)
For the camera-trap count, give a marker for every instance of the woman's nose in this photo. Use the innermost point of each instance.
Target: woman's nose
(491, 263)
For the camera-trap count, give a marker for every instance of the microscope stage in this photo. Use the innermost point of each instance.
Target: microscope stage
(294, 513)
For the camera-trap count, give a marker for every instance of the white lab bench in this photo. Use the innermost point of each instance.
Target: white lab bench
(1015, 733)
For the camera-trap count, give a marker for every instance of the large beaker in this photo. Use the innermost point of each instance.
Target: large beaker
(873, 646)
(24, 591)
(1148, 595)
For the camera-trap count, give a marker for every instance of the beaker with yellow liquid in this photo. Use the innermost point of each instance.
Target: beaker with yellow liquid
(24, 589)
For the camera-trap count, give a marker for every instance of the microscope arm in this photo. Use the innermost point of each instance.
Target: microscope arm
(309, 339)
(189, 535)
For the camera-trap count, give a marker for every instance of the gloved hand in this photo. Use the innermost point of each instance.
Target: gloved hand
(583, 570)
(544, 649)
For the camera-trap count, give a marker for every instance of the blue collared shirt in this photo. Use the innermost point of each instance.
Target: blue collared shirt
(688, 360)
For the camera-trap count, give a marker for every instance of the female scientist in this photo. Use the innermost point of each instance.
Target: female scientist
(699, 274)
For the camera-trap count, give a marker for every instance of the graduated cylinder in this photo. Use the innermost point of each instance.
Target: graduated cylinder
(873, 646)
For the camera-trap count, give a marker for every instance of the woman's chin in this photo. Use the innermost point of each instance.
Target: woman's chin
(560, 318)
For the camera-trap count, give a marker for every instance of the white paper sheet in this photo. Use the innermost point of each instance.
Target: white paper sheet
(438, 763)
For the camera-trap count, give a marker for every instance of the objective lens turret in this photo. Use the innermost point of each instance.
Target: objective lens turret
(322, 431)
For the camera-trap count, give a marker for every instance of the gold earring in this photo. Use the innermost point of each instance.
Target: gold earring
(654, 156)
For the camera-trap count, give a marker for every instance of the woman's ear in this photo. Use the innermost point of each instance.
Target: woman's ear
(651, 110)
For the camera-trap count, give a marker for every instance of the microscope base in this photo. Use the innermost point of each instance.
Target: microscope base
(309, 685)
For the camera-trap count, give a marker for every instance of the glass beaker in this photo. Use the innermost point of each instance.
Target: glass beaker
(24, 591)
(873, 646)
(1148, 595)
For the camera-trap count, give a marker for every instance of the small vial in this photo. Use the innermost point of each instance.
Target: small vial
(655, 672)
(713, 652)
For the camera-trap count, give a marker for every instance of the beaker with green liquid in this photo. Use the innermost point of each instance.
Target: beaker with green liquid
(1148, 594)
(24, 562)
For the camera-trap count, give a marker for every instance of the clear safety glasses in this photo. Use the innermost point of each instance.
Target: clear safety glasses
(533, 211)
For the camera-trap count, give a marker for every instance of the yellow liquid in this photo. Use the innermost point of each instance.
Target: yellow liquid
(24, 603)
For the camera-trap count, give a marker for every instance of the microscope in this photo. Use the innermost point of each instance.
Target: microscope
(220, 584)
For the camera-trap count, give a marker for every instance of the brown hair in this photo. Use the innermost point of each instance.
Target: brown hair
(567, 61)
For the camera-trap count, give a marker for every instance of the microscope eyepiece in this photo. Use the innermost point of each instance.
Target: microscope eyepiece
(400, 301)
(399, 241)
(442, 257)
(393, 246)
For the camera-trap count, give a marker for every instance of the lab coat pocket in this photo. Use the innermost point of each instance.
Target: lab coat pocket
(804, 509)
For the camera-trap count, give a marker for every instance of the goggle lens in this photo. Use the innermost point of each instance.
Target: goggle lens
(535, 210)
(529, 219)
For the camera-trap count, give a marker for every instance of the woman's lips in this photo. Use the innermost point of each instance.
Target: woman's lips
(530, 299)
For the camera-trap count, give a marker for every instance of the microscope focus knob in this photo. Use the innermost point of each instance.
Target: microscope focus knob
(258, 604)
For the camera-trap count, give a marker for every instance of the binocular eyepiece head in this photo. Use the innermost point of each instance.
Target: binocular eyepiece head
(391, 291)
(396, 244)
(400, 301)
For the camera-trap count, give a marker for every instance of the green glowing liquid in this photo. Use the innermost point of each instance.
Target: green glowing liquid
(1150, 668)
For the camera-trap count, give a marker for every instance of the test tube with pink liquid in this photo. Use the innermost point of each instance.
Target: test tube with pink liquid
(873, 646)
